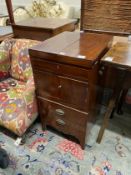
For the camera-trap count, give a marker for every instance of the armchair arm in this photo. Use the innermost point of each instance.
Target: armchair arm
(30, 85)
(30, 98)
(29, 93)
(5, 48)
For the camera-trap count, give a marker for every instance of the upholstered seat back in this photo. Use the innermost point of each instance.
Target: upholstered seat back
(20, 61)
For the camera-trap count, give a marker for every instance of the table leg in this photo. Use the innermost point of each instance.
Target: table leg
(121, 101)
(106, 119)
(112, 104)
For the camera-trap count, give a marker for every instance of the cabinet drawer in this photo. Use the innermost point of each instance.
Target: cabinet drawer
(61, 69)
(61, 117)
(62, 89)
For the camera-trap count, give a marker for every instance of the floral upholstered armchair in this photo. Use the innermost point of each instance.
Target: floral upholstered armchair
(18, 108)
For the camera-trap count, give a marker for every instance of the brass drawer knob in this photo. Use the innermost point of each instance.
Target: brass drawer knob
(60, 112)
(60, 122)
(60, 86)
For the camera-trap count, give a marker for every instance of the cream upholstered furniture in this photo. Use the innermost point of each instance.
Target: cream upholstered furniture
(18, 108)
(43, 8)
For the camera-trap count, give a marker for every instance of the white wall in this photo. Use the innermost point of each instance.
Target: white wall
(73, 3)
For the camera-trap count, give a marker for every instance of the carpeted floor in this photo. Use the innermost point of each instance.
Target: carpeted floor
(46, 153)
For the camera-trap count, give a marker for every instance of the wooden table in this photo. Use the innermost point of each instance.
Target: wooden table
(5, 32)
(42, 28)
(66, 76)
(119, 58)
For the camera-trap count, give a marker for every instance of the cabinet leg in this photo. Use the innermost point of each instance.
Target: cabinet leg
(82, 144)
(82, 140)
(43, 127)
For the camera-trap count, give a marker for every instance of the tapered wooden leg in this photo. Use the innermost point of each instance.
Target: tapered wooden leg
(121, 101)
(82, 141)
(106, 119)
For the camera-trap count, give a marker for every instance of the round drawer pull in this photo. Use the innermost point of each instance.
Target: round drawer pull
(60, 86)
(60, 122)
(60, 112)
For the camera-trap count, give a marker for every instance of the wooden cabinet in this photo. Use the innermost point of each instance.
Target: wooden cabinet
(66, 73)
(40, 28)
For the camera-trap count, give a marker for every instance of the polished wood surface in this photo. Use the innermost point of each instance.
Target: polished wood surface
(5, 32)
(111, 16)
(42, 28)
(66, 87)
(82, 49)
(119, 55)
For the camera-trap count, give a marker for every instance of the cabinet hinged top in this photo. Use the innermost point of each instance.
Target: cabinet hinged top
(80, 49)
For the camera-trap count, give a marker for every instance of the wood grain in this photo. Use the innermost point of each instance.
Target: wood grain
(113, 16)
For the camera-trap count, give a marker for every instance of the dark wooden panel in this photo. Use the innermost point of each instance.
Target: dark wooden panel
(47, 84)
(31, 33)
(75, 92)
(107, 15)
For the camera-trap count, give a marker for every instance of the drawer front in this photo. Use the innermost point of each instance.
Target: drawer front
(60, 69)
(65, 90)
(61, 117)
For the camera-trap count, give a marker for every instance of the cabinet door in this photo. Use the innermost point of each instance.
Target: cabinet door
(68, 91)
(74, 92)
(47, 84)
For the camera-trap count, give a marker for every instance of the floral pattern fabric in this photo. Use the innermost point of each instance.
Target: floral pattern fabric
(18, 107)
(20, 62)
(5, 49)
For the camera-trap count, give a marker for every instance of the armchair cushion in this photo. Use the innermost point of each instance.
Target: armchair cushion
(18, 106)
